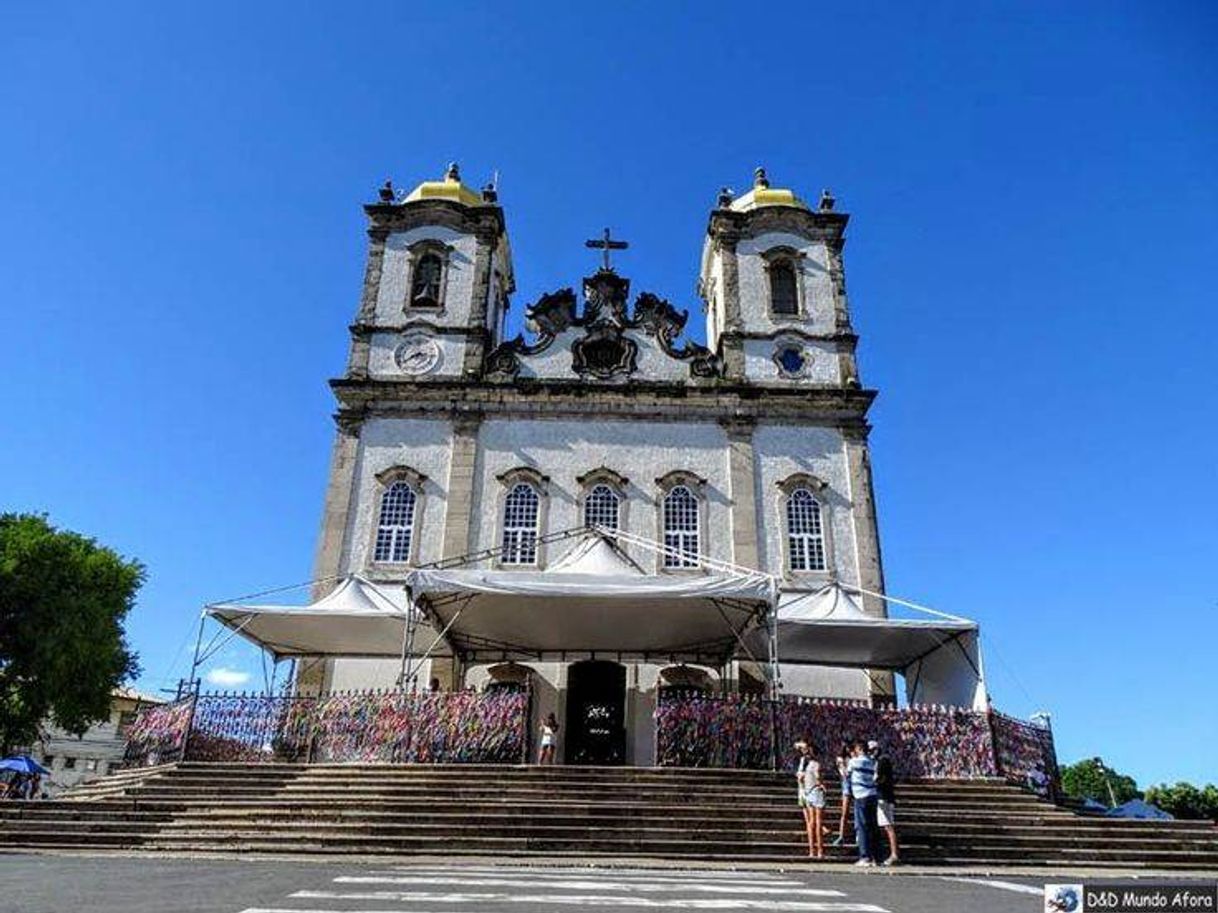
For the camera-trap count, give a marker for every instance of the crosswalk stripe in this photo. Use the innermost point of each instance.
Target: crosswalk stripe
(601, 900)
(573, 871)
(1003, 885)
(592, 884)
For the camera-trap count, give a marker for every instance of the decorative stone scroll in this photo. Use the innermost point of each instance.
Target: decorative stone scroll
(604, 351)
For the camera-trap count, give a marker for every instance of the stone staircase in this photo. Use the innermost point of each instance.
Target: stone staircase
(583, 812)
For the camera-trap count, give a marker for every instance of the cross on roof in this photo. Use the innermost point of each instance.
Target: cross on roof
(606, 244)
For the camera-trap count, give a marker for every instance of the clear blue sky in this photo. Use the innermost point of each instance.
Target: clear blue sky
(1031, 266)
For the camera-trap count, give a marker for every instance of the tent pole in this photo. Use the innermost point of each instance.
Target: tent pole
(772, 622)
(407, 641)
(194, 664)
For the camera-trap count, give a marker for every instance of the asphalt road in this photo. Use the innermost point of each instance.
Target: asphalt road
(125, 884)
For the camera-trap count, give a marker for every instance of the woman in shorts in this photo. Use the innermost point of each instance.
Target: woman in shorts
(811, 798)
(549, 740)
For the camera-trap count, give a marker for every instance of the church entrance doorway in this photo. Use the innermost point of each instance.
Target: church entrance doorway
(596, 713)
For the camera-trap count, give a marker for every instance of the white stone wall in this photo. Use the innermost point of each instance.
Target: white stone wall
(712, 278)
(816, 285)
(395, 273)
(653, 362)
(782, 451)
(419, 444)
(381, 364)
(822, 366)
(641, 451)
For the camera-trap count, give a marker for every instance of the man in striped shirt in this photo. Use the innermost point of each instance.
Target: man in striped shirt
(861, 771)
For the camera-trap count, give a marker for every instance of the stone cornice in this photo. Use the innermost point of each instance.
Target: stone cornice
(729, 226)
(838, 406)
(847, 339)
(485, 221)
(366, 330)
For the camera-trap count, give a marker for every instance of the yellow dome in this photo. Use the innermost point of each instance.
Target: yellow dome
(763, 194)
(450, 188)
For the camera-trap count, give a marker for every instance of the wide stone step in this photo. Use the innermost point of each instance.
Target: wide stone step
(632, 845)
(647, 818)
(529, 796)
(571, 812)
(1114, 832)
(344, 777)
(556, 808)
(703, 832)
(525, 786)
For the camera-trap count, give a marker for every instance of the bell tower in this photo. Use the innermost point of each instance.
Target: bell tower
(436, 283)
(775, 289)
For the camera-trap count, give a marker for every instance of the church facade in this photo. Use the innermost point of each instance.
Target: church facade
(453, 439)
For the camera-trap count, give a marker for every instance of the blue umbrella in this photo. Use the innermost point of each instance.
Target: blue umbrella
(23, 764)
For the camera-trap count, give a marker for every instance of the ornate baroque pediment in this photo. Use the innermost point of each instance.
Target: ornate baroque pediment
(604, 350)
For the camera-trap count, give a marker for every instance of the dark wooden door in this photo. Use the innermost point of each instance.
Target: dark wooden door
(596, 713)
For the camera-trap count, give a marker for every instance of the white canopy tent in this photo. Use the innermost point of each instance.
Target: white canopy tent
(593, 601)
(939, 657)
(356, 619)
(596, 601)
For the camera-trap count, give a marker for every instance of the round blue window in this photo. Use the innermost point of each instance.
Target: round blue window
(791, 360)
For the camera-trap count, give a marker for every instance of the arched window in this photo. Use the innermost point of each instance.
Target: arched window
(395, 527)
(602, 507)
(520, 514)
(680, 528)
(784, 294)
(425, 281)
(805, 534)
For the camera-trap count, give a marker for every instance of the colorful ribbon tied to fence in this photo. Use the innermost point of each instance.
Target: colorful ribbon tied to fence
(367, 726)
(157, 734)
(1020, 748)
(922, 741)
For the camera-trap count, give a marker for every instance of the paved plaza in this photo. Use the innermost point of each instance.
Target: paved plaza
(128, 884)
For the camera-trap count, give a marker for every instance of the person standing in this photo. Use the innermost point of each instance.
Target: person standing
(862, 790)
(843, 760)
(811, 798)
(549, 740)
(885, 809)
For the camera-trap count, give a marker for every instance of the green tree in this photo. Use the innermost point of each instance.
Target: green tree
(1185, 800)
(1091, 779)
(63, 600)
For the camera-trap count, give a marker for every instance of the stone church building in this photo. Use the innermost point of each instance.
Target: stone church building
(454, 439)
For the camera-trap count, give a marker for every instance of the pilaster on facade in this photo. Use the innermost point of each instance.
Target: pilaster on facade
(837, 275)
(377, 236)
(462, 462)
(867, 540)
(478, 342)
(742, 479)
(336, 510)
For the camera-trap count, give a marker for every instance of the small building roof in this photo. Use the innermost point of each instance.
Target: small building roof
(131, 694)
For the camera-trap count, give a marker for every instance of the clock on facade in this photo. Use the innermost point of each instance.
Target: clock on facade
(417, 354)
